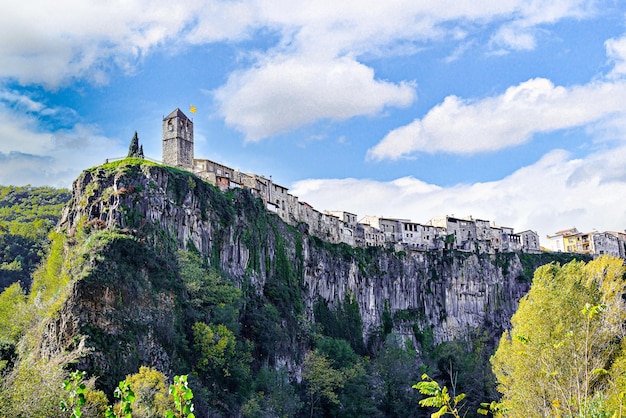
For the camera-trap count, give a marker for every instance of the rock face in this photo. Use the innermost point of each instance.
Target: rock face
(440, 294)
(447, 294)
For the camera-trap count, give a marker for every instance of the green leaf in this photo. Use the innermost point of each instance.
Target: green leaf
(440, 413)
(188, 395)
(433, 401)
(427, 388)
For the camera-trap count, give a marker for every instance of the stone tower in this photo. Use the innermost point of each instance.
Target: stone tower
(178, 140)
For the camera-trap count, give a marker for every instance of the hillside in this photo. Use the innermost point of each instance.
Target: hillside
(152, 266)
(27, 214)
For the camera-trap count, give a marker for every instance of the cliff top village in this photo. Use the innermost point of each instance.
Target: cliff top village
(337, 226)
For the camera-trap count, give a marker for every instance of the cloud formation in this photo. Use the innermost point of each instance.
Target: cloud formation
(30, 155)
(307, 76)
(616, 51)
(512, 118)
(53, 43)
(287, 93)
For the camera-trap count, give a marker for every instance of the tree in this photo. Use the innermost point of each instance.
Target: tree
(133, 149)
(211, 297)
(396, 370)
(565, 337)
(224, 363)
(354, 395)
(151, 391)
(274, 395)
(322, 380)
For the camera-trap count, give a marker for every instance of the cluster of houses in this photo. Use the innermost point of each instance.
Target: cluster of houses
(445, 232)
(594, 243)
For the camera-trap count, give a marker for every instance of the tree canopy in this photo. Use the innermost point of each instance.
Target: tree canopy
(561, 356)
(27, 214)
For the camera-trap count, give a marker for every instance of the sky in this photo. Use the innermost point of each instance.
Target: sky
(512, 111)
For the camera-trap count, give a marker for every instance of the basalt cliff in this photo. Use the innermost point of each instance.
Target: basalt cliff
(128, 223)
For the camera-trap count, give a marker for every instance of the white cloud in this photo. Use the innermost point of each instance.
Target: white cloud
(362, 196)
(516, 38)
(28, 155)
(286, 93)
(616, 51)
(48, 43)
(472, 126)
(531, 16)
(556, 192)
(295, 83)
(52, 43)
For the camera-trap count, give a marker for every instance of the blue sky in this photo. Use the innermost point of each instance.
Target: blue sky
(507, 110)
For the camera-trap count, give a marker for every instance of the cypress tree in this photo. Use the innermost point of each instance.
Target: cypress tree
(133, 150)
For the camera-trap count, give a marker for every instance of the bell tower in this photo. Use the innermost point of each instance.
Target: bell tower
(178, 140)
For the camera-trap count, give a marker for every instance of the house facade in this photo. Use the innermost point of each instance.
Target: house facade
(593, 243)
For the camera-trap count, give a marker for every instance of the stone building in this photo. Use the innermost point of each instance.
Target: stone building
(178, 140)
(621, 239)
(418, 237)
(346, 217)
(215, 173)
(530, 241)
(372, 236)
(390, 227)
(605, 243)
(461, 232)
(347, 224)
(508, 239)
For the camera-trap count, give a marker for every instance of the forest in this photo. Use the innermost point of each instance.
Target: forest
(234, 341)
(27, 214)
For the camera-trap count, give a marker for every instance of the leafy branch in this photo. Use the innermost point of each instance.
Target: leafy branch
(126, 397)
(182, 395)
(76, 388)
(439, 398)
